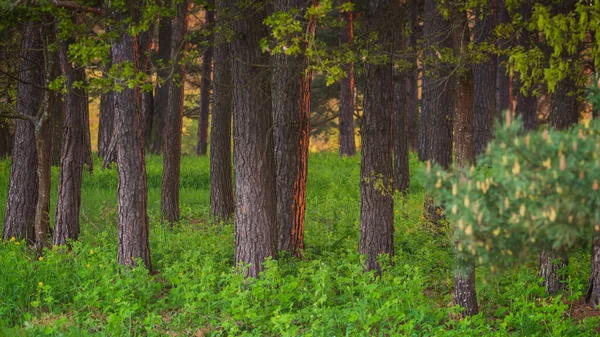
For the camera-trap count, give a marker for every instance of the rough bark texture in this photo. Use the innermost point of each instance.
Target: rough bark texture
(162, 89)
(169, 202)
(255, 211)
(23, 188)
(438, 98)
(346, 108)
(106, 124)
(592, 296)
(6, 139)
(66, 224)
(550, 264)
(57, 123)
(412, 78)
(484, 83)
(144, 49)
(402, 82)
(465, 294)
(205, 85)
(132, 197)
(221, 190)
(503, 98)
(376, 194)
(290, 95)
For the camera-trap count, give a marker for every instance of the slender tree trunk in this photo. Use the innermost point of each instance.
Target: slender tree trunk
(503, 99)
(132, 197)
(526, 101)
(23, 187)
(412, 77)
(255, 202)
(484, 82)
(205, 84)
(169, 202)
(66, 224)
(106, 124)
(290, 95)
(402, 81)
(438, 99)
(144, 49)
(376, 187)
(221, 190)
(42, 209)
(346, 108)
(162, 88)
(57, 123)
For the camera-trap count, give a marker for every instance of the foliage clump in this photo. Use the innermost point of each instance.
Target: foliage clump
(527, 192)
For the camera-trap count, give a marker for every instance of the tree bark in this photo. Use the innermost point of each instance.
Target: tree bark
(346, 105)
(205, 84)
(144, 50)
(290, 95)
(412, 77)
(106, 124)
(401, 83)
(526, 101)
(255, 211)
(221, 190)
(550, 264)
(66, 224)
(376, 187)
(23, 187)
(484, 82)
(503, 98)
(6, 139)
(132, 197)
(592, 296)
(169, 202)
(438, 98)
(465, 294)
(162, 88)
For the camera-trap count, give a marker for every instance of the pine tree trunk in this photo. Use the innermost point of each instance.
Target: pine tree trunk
(484, 83)
(132, 197)
(550, 264)
(6, 140)
(144, 50)
(106, 123)
(205, 85)
(290, 95)
(221, 190)
(503, 98)
(376, 187)
(438, 99)
(255, 201)
(412, 78)
(66, 224)
(400, 123)
(23, 186)
(465, 294)
(592, 296)
(57, 124)
(346, 107)
(162, 88)
(169, 202)
(526, 102)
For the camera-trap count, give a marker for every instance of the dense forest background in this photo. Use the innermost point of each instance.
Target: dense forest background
(414, 167)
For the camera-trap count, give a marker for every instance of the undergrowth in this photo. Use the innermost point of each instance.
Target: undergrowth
(195, 290)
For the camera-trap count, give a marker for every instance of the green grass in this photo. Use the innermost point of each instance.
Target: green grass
(195, 289)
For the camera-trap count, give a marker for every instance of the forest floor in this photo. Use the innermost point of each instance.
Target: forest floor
(195, 291)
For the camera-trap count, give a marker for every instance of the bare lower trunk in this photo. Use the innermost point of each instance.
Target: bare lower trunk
(255, 202)
(592, 296)
(550, 264)
(400, 125)
(221, 190)
(23, 186)
(465, 294)
(413, 78)
(42, 209)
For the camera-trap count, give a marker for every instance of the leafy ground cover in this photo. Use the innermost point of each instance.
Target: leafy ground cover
(195, 290)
